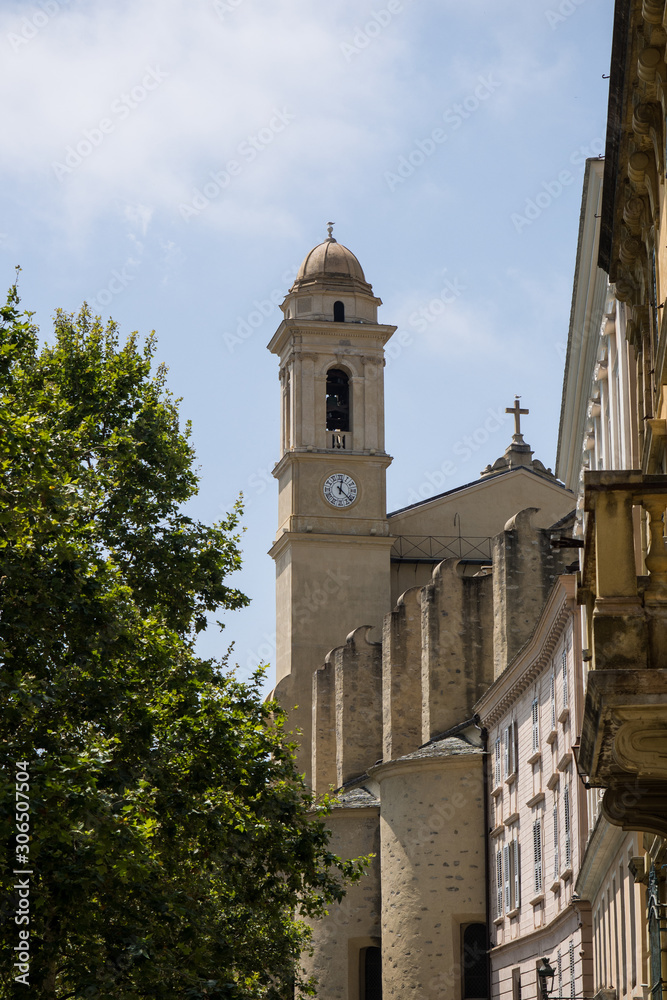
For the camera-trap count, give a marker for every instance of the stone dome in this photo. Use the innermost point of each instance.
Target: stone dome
(330, 258)
(331, 286)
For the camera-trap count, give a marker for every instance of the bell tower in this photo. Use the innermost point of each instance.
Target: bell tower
(332, 547)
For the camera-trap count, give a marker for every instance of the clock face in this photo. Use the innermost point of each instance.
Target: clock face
(340, 490)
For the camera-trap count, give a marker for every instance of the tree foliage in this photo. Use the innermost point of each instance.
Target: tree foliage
(173, 847)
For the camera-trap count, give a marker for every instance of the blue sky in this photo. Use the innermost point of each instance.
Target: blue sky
(172, 162)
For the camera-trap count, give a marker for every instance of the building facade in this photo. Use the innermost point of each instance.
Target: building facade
(486, 687)
(532, 713)
(386, 675)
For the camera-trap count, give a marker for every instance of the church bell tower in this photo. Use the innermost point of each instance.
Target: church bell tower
(332, 549)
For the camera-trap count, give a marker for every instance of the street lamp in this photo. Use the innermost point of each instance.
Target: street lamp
(546, 975)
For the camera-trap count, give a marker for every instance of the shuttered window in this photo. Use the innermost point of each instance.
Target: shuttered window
(517, 874)
(537, 855)
(498, 775)
(499, 883)
(566, 701)
(553, 700)
(507, 878)
(536, 727)
(568, 844)
(556, 857)
(573, 983)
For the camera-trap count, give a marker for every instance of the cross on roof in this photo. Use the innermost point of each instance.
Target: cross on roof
(517, 411)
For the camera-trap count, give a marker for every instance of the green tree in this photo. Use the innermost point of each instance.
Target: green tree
(173, 848)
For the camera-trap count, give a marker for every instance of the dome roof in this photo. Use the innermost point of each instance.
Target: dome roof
(328, 259)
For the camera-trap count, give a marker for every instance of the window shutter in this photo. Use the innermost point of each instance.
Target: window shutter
(556, 858)
(517, 875)
(499, 883)
(572, 972)
(508, 882)
(537, 855)
(508, 761)
(560, 974)
(536, 728)
(553, 700)
(497, 763)
(515, 747)
(568, 845)
(565, 685)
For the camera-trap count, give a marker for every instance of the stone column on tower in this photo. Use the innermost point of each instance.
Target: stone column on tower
(332, 546)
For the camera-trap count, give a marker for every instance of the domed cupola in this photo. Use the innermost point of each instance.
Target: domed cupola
(331, 285)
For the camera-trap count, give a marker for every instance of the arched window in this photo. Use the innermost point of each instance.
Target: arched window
(339, 312)
(475, 966)
(338, 400)
(370, 974)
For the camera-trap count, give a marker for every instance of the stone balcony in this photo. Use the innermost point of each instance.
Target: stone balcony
(624, 733)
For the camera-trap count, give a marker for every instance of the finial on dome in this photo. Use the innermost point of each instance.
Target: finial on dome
(330, 226)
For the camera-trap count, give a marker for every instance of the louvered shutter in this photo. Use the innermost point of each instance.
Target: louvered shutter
(499, 883)
(556, 858)
(508, 882)
(536, 729)
(497, 763)
(572, 972)
(553, 701)
(517, 875)
(568, 846)
(506, 742)
(565, 684)
(537, 855)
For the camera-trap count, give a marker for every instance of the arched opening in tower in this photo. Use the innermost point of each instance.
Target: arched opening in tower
(339, 312)
(338, 400)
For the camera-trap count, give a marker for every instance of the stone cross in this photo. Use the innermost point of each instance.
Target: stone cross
(517, 411)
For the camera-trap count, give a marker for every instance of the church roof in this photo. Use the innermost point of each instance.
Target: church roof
(533, 469)
(449, 746)
(355, 798)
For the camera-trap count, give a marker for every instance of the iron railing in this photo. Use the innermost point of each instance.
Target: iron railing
(434, 548)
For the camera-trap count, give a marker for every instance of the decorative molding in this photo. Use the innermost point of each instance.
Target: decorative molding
(516, 678)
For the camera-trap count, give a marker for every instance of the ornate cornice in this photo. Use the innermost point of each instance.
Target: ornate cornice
(532, 659)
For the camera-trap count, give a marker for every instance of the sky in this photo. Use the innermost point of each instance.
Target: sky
(171, 162)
